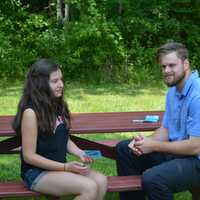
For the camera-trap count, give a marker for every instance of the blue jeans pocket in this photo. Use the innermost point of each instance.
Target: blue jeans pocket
(30, 176)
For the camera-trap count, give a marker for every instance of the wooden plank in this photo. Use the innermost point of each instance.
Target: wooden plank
(107, 148)
(5, 125)
(112, 122)
(110, 143)
(15, 189)
(115, 184)
(124, 183)
(10, 145)
(98, 122)
(18, 189)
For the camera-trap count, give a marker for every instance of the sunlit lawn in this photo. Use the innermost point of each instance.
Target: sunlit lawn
(89, 98)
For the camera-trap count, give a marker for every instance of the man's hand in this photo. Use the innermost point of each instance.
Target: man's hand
(144, 145)
(132, 146)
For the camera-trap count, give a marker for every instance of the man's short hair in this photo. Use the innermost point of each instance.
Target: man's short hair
(180, 49)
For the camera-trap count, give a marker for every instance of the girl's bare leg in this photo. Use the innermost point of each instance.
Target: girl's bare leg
(101, 182)
(66, 183)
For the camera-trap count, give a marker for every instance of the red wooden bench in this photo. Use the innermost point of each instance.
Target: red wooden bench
(115, 184)
(84, 123)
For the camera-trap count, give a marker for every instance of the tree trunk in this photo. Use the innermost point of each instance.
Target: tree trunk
(66, 16)
(62, 12)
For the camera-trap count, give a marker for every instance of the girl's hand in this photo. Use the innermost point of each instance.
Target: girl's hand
(77, 167)
(86, 159)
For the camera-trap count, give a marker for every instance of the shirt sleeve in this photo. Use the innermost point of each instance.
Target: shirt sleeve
(193, 121)
(165, 120)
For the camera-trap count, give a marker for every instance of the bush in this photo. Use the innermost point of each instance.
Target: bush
(103, 41)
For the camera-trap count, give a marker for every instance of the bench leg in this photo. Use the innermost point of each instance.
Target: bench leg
(52, 198)
(195, 193)
(47, 198)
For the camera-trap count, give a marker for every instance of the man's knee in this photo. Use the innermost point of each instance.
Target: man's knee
(155, 186)
(150, 178)
(146, 179)
(153, 179)
(122, 148)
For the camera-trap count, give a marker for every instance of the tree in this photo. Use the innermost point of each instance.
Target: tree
(62, 12)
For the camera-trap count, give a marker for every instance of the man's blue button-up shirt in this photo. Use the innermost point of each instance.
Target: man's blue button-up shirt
(182, 112)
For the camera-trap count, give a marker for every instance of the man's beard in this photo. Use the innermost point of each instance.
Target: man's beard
(175, 81)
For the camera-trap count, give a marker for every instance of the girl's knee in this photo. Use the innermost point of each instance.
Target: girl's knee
(102, 181)
(90, 188)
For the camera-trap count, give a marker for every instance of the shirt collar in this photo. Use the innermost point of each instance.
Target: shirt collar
(187, 85)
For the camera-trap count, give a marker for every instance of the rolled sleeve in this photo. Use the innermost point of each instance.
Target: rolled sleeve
(193, 121)
(165, 121)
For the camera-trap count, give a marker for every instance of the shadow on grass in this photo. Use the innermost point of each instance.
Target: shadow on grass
(76, 91)
(8, 89)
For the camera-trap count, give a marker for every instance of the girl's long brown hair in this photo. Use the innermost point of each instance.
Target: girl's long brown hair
(37, 92)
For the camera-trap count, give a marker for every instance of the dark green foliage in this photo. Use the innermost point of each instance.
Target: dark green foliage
(113, 40)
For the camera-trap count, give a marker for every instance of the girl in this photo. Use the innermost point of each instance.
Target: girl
(43, 121)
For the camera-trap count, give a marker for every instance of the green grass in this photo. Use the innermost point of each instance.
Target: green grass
(88, 98)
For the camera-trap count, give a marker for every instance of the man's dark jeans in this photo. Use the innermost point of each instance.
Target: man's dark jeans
(162, 175)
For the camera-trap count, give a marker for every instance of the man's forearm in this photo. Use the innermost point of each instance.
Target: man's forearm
(160, 134)
(184, 147)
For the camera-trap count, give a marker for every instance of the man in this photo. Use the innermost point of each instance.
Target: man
(169, 160)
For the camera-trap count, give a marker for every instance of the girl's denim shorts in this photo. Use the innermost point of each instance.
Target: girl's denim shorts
(32, 177)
